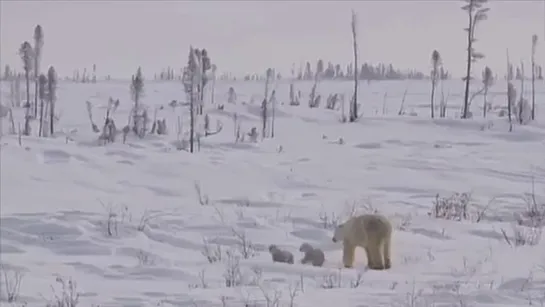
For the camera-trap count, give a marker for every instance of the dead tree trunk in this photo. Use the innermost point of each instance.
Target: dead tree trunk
(534, 44)
(26, 131)
(465, 112)
(354, 106)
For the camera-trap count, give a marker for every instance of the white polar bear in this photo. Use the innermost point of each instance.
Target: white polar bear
(373, 232)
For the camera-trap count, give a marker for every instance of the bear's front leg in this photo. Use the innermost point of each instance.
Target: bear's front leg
(349, 251)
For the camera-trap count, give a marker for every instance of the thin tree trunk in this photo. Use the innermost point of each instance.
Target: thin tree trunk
(36, 95)
(509, 102)
(273, 116)
(521, 107)
(26, 130)
(27, 77)
(51, 117)
(432, 105)
(533, 87)
(468, 67)
(485, 104)
(354, 107)
(201, 91)
(40, 131)
(192, 119)
(264, 118)
(212, 100)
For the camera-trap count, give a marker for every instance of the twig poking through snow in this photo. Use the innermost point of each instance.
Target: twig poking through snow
(146, 218)
(202, 198)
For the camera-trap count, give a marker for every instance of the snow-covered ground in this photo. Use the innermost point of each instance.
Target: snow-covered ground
(126, 222)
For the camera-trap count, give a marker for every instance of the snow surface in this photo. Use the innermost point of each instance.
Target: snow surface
(58, 194)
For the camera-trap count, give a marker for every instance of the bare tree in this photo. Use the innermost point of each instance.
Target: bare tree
(7, 73)
(273, 115)
(436, 62)
(488, 79)
(27, 54)
(511, 93)
(205, 65)
(476, 13)
(354, 107)
(269, 75)
(190, 86)
(137, 92)
(522, 104)
(42, 89)
(214, 70)
(51, 97)
(534, 46)
(38, 45)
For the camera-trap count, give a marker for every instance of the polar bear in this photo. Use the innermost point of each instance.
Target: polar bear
(373, 232)
(279, 255)
(315, 256)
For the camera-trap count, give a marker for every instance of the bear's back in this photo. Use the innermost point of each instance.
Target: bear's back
(372, 224)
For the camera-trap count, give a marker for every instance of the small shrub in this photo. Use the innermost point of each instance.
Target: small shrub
(257, 276)
(272, 298)
(405, 222)
(357, 281)
(202, 281)
(115, 215)
(145, 258)
(293, 292)
(244, 245)
(212, 253)
(523, 236)
(457, 207)
(454, 207)
(332, 220)
(332, 280)
(529, 225)
(329, 220)
(534, 216)
(145, 219)
(232, 274)
(11, 279)
(68, 296)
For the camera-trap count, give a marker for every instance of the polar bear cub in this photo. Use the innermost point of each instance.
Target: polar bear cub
(313, 255)
(373, 232)
(279, 255)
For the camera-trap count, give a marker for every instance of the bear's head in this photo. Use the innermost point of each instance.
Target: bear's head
(339, 233)
(305, 248)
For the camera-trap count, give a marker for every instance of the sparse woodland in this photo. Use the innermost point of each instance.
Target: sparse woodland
(36, 92)
(40, 105)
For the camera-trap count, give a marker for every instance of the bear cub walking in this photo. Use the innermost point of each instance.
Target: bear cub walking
(313, 255)
(279, 255)
(372, 232)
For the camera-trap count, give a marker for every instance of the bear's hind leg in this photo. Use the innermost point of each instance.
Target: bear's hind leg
(349, 251)
(387, 259)
(374, 251)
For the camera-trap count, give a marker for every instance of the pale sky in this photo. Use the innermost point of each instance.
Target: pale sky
(249, 36)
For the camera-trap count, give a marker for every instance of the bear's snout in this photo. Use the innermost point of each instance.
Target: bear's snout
(334, 240)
